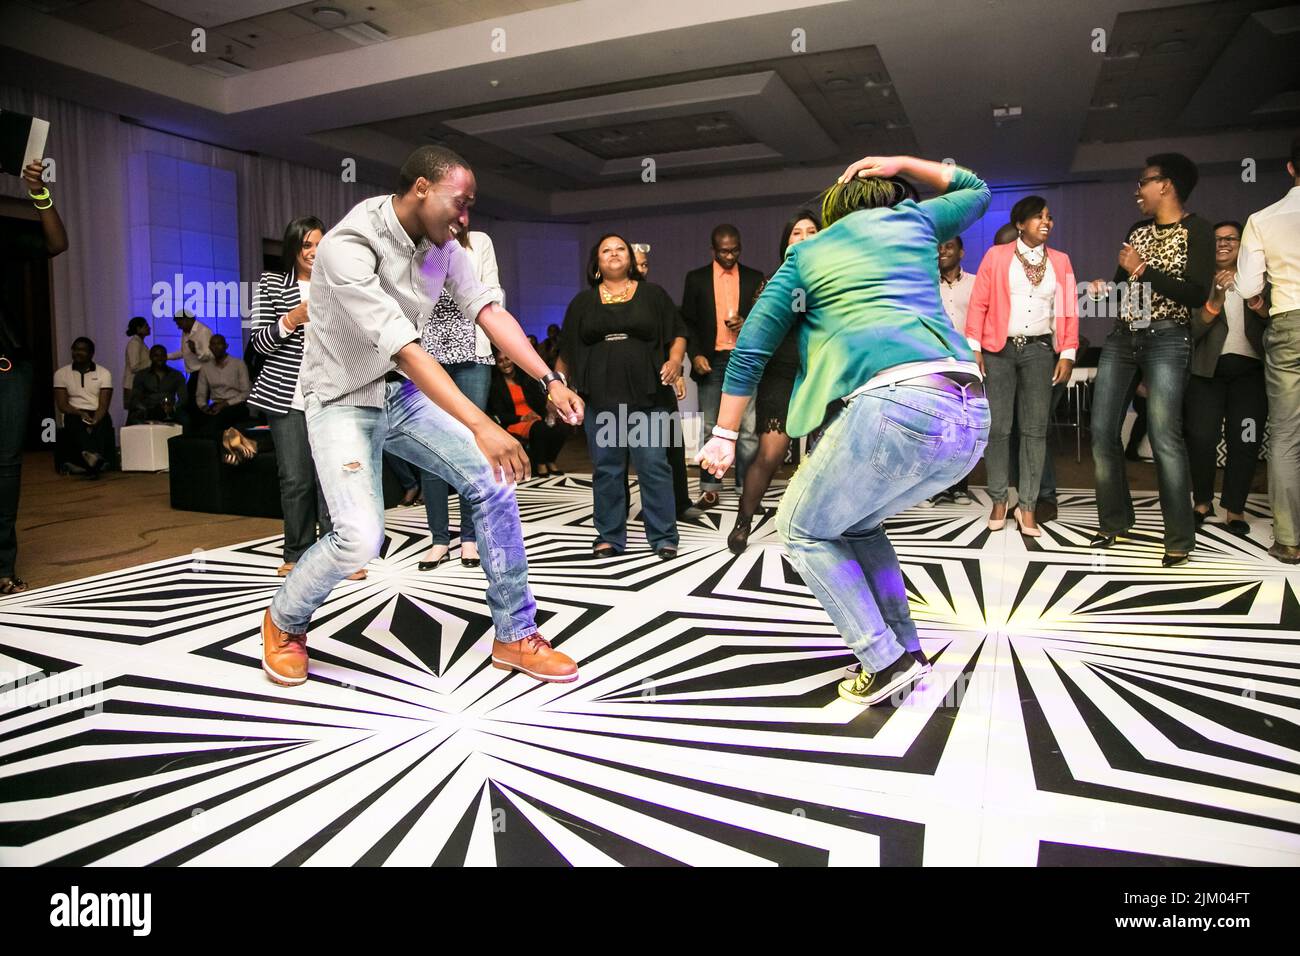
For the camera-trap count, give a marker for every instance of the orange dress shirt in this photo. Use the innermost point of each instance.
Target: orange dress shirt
(726, 298)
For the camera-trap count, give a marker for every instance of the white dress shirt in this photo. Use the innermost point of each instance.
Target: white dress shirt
(1234, 313)
(1032, 307)
(484, 258)
(956, 298)
(372, 289)
(200, 335)
(1270, 247)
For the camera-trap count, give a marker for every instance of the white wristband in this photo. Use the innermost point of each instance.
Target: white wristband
(726, 433)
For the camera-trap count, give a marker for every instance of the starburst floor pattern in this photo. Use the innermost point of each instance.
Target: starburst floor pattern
(1084, 708)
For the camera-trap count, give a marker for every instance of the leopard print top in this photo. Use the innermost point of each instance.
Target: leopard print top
(1163, 248)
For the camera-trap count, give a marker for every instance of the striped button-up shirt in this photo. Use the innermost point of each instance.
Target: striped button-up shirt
(372, 288)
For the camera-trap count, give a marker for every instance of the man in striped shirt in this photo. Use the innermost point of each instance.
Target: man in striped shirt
(375, 280)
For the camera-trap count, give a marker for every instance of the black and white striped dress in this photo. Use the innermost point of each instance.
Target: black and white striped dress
(277, 294)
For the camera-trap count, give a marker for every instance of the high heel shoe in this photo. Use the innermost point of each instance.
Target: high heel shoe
(1034, 532)
(1200, 516)
(738, 540)
(997, 524)
(473, 562)
(1100, 540)
(1175, 560)
(430, 565)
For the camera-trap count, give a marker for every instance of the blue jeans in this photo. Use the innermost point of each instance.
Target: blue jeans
(710, 396)
(306, 516)
(15, 398)
(347, 443)
(475, 381)
(1163, 356)
(614, 436)
(904, 443)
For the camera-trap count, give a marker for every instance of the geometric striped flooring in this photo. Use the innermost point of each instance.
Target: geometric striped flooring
(1085, 708)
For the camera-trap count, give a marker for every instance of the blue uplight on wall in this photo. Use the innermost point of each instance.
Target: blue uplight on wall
(184, 246)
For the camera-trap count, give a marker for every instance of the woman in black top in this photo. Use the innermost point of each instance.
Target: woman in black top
(622, 345)
(772, 402)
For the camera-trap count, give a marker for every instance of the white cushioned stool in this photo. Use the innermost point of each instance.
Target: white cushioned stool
(144, 447)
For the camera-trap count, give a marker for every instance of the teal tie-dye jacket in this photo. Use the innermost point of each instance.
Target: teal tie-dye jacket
(863, 295)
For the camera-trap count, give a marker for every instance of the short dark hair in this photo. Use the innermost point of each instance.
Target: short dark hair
(1027, 209)
(183, 314)
(294, 235)
(1006, 233)
(431, 162)
(593, 260)
(1229, 222)
(153, 348)
(218, 335)
(1179, 170)
(136, 322)
(82, 338)
(719, 231)
(793, 221)
(956, 239)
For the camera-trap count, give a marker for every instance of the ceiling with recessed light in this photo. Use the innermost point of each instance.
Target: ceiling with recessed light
(558, 106)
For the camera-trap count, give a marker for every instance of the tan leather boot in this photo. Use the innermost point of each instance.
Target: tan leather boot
(284, 655)
(535, 657)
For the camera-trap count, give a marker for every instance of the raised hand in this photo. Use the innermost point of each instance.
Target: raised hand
(883, 166)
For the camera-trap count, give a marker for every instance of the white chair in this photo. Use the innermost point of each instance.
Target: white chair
(144, 447)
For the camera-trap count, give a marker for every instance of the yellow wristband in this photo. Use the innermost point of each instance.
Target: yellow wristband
(43, 194)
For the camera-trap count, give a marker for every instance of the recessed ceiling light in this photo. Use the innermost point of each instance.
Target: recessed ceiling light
(1171, 46)
(329, 14)
(838, 83)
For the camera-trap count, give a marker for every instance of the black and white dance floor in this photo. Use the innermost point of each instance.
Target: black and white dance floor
(1084, 708)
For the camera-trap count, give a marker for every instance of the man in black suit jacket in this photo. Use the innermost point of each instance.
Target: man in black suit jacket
(715, 301)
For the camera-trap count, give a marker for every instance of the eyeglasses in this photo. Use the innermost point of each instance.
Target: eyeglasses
(1149, 179)
(1226, 240)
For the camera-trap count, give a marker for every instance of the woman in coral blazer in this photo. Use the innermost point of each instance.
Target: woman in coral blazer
(1023, 312)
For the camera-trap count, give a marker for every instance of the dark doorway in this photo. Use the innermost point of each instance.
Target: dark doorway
(35, 323)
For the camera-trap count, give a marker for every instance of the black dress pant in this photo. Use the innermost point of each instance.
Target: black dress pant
(1234, 404)
(544, 443)
(76, 439)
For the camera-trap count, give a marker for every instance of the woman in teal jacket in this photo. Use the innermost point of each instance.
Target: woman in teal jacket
(898, 387)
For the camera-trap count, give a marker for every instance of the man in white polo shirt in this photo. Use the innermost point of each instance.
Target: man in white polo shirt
(82, 391)
(1270, 249)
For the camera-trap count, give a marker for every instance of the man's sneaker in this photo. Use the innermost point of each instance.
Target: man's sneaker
(928, 502)
(962, 497)
(534, 656)
(853, 670)
(284, 655)
(867, 689)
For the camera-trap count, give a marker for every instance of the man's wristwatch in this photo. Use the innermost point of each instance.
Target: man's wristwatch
(550, 377)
